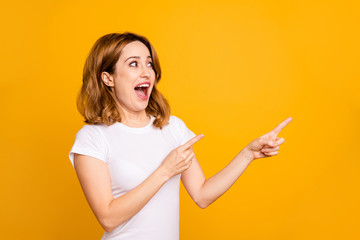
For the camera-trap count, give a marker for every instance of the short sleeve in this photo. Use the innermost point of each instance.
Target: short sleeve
(185, 134)
(89, 141)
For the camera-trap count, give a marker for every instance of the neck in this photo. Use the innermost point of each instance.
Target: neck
(134, 119)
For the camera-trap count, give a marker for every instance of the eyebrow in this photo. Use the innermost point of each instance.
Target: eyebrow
(135, 57)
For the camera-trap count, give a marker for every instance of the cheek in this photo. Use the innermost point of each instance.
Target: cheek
(124, 82)
(123, 90)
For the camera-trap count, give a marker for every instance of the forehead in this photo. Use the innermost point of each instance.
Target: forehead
(135, 48)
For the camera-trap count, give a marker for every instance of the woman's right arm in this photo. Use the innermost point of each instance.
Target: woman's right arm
(94, 178)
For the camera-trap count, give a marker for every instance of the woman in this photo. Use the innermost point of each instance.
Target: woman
(130, 157)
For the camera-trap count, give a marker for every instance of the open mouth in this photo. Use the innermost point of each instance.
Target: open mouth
(142, 90)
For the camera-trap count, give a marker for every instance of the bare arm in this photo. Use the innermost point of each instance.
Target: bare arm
(94, 178)
(205, 191)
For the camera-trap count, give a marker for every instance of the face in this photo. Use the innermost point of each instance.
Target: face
(133, 79)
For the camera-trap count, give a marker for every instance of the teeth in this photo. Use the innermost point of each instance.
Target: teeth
(144, 85)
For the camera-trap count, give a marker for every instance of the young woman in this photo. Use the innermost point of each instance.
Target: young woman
(132, 153)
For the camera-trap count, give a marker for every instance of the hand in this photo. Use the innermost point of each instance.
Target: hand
(179, 159)
(267, 145)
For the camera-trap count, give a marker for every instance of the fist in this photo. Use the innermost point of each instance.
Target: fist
(180, 158)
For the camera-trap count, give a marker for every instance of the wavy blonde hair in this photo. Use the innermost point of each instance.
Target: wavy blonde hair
(96, 101)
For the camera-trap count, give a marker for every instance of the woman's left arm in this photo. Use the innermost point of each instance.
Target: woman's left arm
(205, 191)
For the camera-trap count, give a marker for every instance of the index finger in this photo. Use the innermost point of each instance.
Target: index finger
(191, 142)
(282, 125)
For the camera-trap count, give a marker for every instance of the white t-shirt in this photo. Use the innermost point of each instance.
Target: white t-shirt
(132, 154)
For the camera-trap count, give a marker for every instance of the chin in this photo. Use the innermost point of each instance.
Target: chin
(142, 106)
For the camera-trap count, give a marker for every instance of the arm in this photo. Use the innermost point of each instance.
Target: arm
(205, 191)
(94, 178)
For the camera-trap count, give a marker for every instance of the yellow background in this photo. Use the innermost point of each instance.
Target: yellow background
(232, 70)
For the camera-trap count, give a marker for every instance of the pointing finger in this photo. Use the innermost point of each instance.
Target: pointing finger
(282, 125)
(191, 142)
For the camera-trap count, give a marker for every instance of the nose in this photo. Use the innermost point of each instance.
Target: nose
(146, 72)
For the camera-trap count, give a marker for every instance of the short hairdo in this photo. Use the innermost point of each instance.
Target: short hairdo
(96, 102)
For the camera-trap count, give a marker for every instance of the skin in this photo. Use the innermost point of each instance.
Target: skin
(94, 175)
(130, 72)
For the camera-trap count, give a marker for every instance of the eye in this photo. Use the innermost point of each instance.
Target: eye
(132, 64)
(150, 64)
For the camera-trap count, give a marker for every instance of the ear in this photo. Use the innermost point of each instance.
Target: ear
(107, 79)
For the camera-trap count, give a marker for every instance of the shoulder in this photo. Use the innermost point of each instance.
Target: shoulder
(91, 130)
(178, 124)
(180, 130)
(89, 141)
(174, 120)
